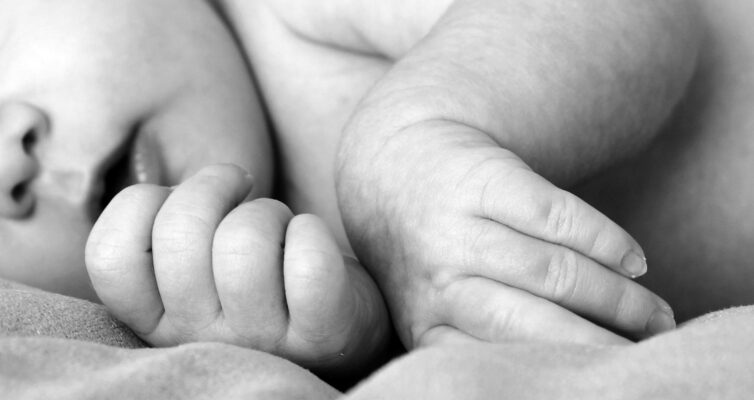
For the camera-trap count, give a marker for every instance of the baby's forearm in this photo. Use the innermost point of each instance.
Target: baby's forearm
(567, 86)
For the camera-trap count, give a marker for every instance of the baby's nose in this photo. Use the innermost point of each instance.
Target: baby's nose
(20, 127)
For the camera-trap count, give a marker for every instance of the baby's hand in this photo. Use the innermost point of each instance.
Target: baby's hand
(468, 241)
(195, 263)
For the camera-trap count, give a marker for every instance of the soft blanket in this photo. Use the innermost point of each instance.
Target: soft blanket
(53, 346)
(57, 347)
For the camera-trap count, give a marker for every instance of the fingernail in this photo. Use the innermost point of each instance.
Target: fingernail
(634, 264)
(660, 322)
(247, 175)
(666, 307)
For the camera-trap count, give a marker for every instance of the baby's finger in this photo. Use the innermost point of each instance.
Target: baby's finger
(568, 278)
(494, 312)
(444, 335)
(182, 242)
(247, 262)
(531, 205)
(320, 297)
(119, 257)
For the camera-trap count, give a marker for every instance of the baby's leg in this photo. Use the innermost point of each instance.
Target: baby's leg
(689, 199)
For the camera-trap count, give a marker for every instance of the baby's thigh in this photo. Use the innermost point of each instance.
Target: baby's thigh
(689, 199)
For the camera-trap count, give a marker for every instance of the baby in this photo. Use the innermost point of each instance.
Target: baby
(464, 239)
(469, 113)
(96, 96)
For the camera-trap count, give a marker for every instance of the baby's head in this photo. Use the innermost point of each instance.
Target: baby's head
(96, 95)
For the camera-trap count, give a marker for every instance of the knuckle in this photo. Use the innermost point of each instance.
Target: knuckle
(249, 228)
(561, 277)
(245, 240)
(476, 245)
(308, 257)
(438, 276)
(177, 232)
(266, 213)
(485, 178)
(505, 323)
(105, 265)
(102, 249)
(106, 253)
(622, 305)
(560, 221)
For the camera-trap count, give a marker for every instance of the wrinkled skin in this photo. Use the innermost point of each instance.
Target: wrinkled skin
(452, 137)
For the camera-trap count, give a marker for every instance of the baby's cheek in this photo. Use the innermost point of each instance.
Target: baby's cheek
(47, 252)
(66, 273)
(58, 268)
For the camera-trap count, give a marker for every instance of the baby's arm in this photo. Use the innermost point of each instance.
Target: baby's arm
(441, 168)
(196, 263)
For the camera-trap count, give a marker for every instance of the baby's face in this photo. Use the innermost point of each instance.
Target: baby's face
(99, 94)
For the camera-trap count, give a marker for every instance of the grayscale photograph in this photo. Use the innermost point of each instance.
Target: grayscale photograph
(377, 199)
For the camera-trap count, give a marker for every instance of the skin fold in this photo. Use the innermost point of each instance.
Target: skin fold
(452, 204)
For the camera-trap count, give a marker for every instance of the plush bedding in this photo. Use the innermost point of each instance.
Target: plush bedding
(52, 346)
(57, 347)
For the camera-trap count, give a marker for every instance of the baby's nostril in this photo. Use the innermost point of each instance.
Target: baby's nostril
(29, 140)
(18, 192)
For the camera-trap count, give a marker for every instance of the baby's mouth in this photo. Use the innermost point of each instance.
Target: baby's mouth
(140, 162)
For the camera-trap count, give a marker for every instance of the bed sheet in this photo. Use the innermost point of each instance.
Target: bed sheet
(52, 346)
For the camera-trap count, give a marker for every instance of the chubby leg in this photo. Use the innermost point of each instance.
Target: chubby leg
(689, 199)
